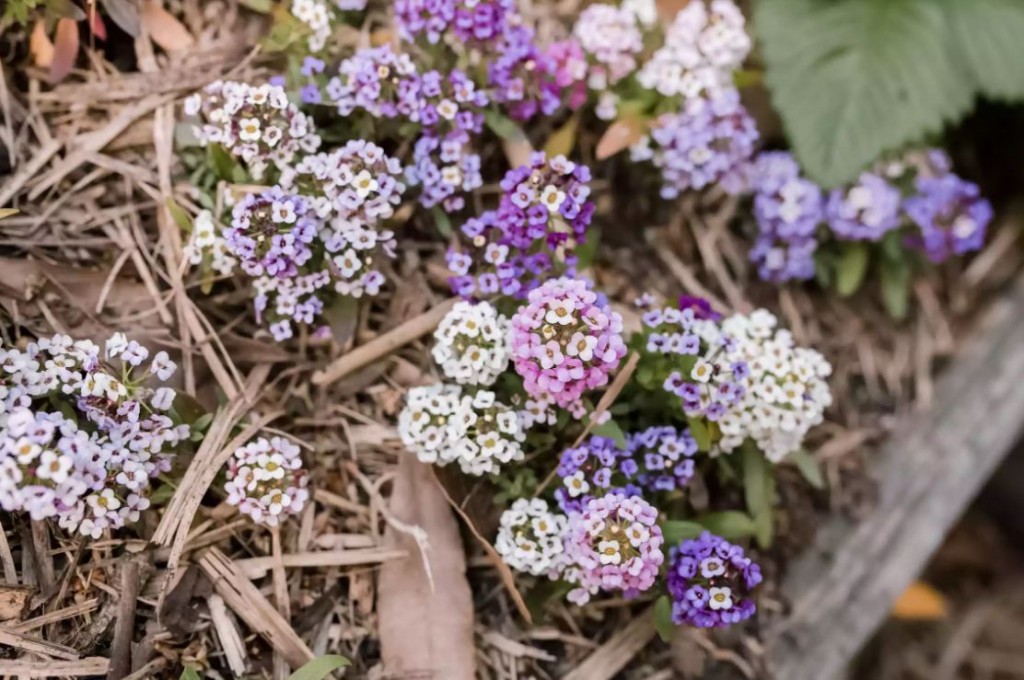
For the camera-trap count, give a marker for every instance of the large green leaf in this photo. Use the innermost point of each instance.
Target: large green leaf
(987, 38)
(853, 78)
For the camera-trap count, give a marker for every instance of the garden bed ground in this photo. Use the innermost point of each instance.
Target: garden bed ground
(91, 166)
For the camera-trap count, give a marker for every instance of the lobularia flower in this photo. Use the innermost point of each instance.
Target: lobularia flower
(356, 183)
(80, 440)
(569, 71)
(565, 340)
(949, 214)
(271, 233)
(865, 211)
(255, 123)
(524, 77)
(704, 45)
(378, 81)
(788, 209)
(316, 16)
(468, 21)
(655, 459)
(445, 168)
(611, 38)
(712, 141)
(613, 544)
(471, 344)
(266, 480)
(785, 390)
(544, 213)
(442, 425)
(710, 580)
(530, 537)
(207, 243)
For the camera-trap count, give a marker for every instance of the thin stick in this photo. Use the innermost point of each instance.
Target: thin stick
(280, 595)
(383, 345)
(10, 570)
(91, 666)
(124, 625)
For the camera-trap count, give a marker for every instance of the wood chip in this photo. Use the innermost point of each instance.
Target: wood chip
(612, 656)
(22, 668)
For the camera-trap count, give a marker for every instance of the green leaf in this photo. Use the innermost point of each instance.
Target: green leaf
(676, 530)
(442, 221)
(190, 673)
(663, 618)
(759, 490)
(503, 126)
(853, 265)
(179, 215)
(853, 78)
(808, 467)
(342, 316)
(611, 429)
(261, 6)
(700, 432)
(986, 37)
(585, 253)
(319, 668)
(65, 8)
(221, 162)
(562, 140)
(730, 524)
(896, 287)
(544, 592)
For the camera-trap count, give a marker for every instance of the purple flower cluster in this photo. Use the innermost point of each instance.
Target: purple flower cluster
(271, 233)
(614, 543)
(569, 70)
(788, 209)
(865, 211)
(470, 21)
(451, 102)
(378, 81)
(543, 214)
(709, 580)
(444, 168)
(80, 439)
(523, 77)
(656, 459)
(266, 481)
(565, 340)
(949, 214)
(710, 142)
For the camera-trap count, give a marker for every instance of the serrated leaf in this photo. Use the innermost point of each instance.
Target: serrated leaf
(320, 668)
(853, 265)
(853, 78)
(986, 36)
(663, 618)
(563, 140)
(677, 530)
(808, 467)
(611, 429)
(896, 287)
(729, 524)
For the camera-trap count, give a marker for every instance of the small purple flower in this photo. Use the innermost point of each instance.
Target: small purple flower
(865, 211)
(710, 580)
(271, 233)
(950, 215)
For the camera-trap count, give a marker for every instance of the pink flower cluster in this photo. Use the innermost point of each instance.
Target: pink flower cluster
(613, 544)
(265, 479)
(565, 340)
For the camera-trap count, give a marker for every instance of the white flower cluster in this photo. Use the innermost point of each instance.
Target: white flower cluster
(80, 441)
(610, 36)
(316, 16)
(786, 390)
(208, 244)
(266, 481)
(645, 11)
(703, 46)
(530, 537)
(442, 425)
(255, 123)
(471, 344)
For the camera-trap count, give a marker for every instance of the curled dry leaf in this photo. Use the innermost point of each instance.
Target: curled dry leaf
(40, 45)
(622, 134)
(426, 620)
(65, 50)
(164, 28)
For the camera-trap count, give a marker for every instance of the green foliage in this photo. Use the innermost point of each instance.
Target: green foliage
(519, 482)
(808, 467)
(896, 280)
(854, 78)
(611, 429)
(730, 524)
(759, 491)
(320, 668)
(190, 673)
(699, 428)
(676, 531)
(663, 618)
(20, 10)
(851, 268)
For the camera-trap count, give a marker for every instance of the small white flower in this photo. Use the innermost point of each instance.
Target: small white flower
(720, 598)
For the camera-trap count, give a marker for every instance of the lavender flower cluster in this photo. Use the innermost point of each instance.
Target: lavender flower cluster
(266, 480)
(81, 439)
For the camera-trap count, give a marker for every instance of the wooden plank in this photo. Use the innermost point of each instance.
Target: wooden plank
(927, 473)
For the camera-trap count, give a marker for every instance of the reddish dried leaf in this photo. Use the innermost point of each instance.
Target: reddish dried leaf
(667, 9)
(425, 621)
(65, 50)
(96, 25)
(620, 135)
(164, 28)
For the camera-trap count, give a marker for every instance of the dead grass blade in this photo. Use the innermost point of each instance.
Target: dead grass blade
(426, 625)
(619, 650)
(257, 567)
(22, 668)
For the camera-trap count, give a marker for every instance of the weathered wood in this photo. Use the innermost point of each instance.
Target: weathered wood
(931, 468)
